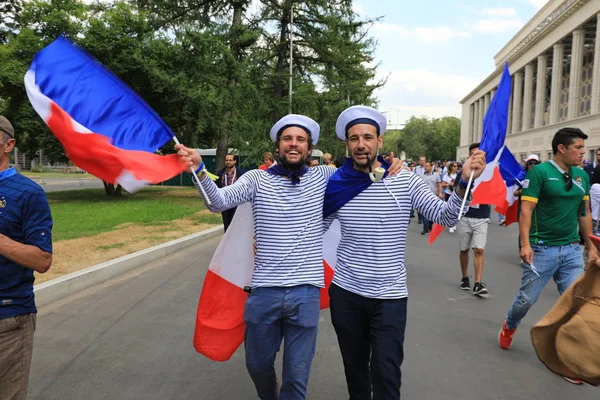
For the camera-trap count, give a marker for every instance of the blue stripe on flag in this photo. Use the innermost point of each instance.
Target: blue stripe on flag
(96, 98)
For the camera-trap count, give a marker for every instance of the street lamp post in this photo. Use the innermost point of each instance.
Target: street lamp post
(291, 59)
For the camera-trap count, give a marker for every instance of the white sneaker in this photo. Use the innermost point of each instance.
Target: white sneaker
(452, 230)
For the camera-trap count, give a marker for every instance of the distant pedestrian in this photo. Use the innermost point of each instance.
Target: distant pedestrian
(25, 247)
(228, 176)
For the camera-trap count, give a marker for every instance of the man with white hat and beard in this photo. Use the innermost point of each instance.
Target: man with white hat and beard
(284, 298)
(368, 293)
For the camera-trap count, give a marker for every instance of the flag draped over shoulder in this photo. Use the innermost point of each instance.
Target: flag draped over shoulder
(105, 128)
(490, 188)
(220, 324)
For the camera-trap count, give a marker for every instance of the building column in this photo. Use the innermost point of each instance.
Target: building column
(474, 123)
(486, 104)
(481, 116)
(540, 91)
(517, 102)
(509, 124)
(471, 122)
(575, 73)
(528, 97)
(596, 68)
(557, 73)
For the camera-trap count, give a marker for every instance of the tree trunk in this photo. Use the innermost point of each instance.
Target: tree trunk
(283, 52)
(111, 191)
(223, 137)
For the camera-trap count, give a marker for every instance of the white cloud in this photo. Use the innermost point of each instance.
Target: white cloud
(537, 3)
(422, 93)
(497, 25)
(500, 12)
(358, 8)
(424, 34)
(428, 83)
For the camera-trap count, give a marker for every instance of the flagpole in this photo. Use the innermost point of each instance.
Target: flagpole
(462, 206)
(206, 199)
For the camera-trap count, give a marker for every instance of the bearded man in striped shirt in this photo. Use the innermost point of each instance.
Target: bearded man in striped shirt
(284, 297)
(368, 293)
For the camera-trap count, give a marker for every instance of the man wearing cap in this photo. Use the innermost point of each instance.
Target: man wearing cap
(284, 299)
(555, 205)
(369, 292)
(25, 247)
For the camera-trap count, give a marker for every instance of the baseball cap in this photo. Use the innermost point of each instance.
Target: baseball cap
(6, 127)
(533, 157)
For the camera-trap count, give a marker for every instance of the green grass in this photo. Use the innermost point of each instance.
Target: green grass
(87, 212)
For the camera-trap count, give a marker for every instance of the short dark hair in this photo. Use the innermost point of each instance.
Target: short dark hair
(231, 154)
(339, 161)
(473, 146)
(566, 137)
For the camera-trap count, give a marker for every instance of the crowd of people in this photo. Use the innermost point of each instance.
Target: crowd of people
(368, 293)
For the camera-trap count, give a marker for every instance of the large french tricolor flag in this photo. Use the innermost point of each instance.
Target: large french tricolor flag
(220, 317)
(490, 188)
(105, 128)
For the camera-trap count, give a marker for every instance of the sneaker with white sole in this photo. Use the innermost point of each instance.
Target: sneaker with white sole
(479, 289)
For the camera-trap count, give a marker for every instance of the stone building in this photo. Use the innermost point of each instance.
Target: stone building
(554, 61)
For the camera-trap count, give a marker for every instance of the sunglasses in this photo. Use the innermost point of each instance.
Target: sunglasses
(532, 162)
(568, 181)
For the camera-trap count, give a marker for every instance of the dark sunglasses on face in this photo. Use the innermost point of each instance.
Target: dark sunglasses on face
(532, 162)
(568, 181)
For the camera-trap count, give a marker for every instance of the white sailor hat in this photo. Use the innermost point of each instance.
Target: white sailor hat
(301, 121)
(360, 115)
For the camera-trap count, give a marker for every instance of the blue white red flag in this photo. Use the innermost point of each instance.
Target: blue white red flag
(105, 128)
(490, 188)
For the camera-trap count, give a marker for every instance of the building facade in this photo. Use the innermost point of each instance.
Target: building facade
(554, 61)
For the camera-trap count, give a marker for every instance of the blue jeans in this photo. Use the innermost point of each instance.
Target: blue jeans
(272, 314)
(595, 231)
(563, 263)
(426, 224)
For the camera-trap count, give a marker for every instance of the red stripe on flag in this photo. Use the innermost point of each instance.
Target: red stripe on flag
(491, 192)
(220, 318)
(511, 212)
(325, 291)
(93, 153)
(435, 232)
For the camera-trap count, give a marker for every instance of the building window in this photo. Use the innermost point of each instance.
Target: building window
(564, 98)
(585, 90)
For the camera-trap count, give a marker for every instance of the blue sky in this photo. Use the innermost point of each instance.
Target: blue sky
(434, 52)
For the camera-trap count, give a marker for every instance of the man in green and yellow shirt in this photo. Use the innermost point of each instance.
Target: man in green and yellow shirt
(555, 206)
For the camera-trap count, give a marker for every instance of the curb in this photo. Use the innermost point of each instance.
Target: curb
(61, 287)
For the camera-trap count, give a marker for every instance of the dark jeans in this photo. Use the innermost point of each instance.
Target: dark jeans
(426, 225)
(370, 333)
(273, 314)
(228, 217)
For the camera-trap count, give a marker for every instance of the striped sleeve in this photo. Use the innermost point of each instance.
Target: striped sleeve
(242, 191)
(432, 207)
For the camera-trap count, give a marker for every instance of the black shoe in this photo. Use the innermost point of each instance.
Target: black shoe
(479, 289)
(420, 222)
(465, 284)
(424, 232)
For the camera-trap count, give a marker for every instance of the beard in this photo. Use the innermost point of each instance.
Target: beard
(371, 158)
(292, 165)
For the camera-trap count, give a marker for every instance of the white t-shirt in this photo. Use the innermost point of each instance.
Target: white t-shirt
(595, 200)
(448, 178)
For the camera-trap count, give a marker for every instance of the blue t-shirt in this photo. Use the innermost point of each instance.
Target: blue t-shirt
(25, 218)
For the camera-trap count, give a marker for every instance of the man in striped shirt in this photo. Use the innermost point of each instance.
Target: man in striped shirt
(368, 293)
(284, 300)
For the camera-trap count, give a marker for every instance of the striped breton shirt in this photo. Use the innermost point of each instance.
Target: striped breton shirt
(288, 223)
(370, 256)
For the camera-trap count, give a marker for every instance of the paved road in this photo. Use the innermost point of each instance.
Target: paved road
(131, 338)
(59, 184)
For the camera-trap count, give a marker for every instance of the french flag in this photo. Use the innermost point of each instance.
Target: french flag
(490, 188)
(220, 324)
(105, 128)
